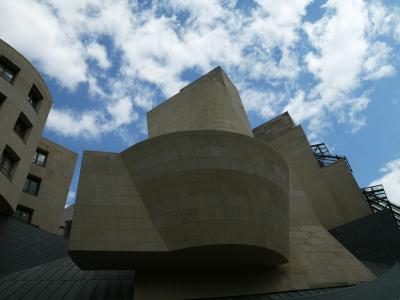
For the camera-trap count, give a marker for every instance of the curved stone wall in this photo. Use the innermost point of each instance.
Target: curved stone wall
(210, 188)
(211, 102)
(14, 104)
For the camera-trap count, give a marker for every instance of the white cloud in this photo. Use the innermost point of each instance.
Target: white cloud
(121, 112)
(91, 124)
(345, 52)
(390, 180)
(263, 49)
(99, 53)
(42, 37)
(67, 123)
(377, 64)
(263, 103)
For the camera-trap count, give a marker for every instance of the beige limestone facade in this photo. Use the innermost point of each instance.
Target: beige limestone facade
(35, 172)
(211, 102)
(55, 175)
(205, 198)
(24, 107)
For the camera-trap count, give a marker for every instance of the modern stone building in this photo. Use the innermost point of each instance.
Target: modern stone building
(206, 207)
(47, 185)
(35, 172)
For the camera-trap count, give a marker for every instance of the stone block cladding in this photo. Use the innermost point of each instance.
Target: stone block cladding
(206, 197)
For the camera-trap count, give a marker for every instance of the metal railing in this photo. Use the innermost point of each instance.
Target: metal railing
(378, 201)
(325, 158)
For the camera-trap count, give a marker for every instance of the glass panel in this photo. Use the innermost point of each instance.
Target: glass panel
(41, 158)
(26, 185)
(8, 76)
(33, 187)
(20, 128)
(25, 216)
(7, 164)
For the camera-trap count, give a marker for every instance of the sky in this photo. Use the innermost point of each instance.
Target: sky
(333, 64)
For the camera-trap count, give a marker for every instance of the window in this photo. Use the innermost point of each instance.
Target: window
(32, 185)
(22, 126)
(7, 69)
(8, 161)
(67, 229)
(23, 213)
(2, 98)
(34, 97)
(40, 157)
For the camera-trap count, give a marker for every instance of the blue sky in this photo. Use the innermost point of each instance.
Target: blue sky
(334, 65)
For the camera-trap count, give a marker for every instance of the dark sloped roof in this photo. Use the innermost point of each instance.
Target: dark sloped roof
(374, 238)
(62, 279)
(24, 246)
(386, 287)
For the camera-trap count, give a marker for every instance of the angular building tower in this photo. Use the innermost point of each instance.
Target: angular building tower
(207, 207)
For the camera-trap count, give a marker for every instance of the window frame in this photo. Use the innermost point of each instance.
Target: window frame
(67, 228)
(8, 67)
(23, 209)
(8, 153)
(34, 97)
(36, 161)
(24, 121)
(28, 183)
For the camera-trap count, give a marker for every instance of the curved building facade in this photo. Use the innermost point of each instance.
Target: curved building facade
(218, 191)
(25, 102)
(207, 207)
(205, 187)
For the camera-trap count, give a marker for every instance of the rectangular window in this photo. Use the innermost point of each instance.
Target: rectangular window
(34, 97)
(67, 229)
(7, 69)
(23, 213)
(22, 126)
(32, 185)
(8, 161)
(40, 157)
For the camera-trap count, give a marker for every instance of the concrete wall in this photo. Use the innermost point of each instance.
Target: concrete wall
(214, 188)
(332, 192)
(210, 102)
(217, 190)
(196, 195)
(15, 103)
(316, 260)
(55, 175)
(109, 214)
(345, 191)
